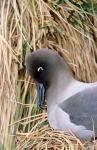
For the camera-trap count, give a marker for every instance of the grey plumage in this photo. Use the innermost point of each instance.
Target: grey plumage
(82, 108)
(71, 105)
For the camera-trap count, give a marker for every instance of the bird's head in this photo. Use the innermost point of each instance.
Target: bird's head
(41, 65)
(45, 66)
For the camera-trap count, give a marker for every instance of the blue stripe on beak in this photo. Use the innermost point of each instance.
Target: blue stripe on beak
(40, 95)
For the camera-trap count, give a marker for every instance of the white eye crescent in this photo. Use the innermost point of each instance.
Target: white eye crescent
(40, 69)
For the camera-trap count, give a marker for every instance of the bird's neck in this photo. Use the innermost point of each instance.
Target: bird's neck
(63, 86)
(60, 82)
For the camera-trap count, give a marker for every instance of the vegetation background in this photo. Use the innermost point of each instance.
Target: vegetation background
(68, 26)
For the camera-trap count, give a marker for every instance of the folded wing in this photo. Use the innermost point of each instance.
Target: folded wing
(82, 108)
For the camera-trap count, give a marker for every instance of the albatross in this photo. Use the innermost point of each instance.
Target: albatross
(71, 104)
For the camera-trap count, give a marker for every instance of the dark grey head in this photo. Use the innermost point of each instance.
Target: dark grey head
(43, 64)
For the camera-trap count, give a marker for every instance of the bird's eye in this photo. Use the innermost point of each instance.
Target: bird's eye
(40, 69)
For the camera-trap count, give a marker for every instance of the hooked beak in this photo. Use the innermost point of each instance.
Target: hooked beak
(40, 95)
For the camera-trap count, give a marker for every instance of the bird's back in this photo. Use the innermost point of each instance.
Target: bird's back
(82, 108)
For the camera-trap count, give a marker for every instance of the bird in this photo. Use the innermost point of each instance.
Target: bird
(71, 104)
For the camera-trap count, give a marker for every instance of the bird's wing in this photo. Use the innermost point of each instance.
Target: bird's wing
(82, 108)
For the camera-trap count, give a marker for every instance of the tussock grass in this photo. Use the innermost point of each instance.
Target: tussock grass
(68, 27)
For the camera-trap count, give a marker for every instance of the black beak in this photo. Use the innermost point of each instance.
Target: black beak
(40, 95)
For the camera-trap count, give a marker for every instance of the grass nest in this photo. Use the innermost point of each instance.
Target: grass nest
(69, 27)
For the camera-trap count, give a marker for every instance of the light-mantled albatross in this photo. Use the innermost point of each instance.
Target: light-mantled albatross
(71, 104)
